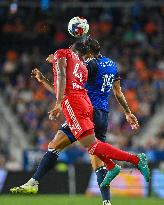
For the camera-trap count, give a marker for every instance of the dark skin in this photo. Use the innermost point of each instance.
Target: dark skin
(61, 85)
(41, 79)
(61, 140)
(116, 89)
(132, 120)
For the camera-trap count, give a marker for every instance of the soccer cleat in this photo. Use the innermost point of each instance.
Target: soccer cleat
(111, 174)
(106, 202)
(143, 166)
(31, 187)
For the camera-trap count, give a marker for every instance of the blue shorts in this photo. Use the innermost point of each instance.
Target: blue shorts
(100, 119)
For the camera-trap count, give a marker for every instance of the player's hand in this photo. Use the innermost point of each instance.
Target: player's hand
(55, 113)
(132, 120)
(50, 58)
(37, 74)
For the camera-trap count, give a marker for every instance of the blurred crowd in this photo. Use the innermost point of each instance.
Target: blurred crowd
(133, 37)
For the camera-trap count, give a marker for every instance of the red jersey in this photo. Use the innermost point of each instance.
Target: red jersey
(76, 104)
(76, 71)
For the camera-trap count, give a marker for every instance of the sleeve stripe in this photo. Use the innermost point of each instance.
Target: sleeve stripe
(118, 78)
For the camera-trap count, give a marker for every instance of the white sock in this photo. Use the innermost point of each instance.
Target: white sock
(106, 202)
(32, 182)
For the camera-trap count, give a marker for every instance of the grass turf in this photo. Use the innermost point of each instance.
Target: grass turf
(72, 200)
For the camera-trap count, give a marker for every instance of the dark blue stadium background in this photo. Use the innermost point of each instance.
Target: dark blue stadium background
(131, 33)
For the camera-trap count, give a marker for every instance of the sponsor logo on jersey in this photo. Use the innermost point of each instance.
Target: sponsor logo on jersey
(77, 86)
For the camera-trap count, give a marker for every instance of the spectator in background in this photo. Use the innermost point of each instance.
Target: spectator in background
(129, 36)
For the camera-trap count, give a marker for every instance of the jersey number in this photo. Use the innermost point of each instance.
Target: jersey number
(76, 73)
(107, 82)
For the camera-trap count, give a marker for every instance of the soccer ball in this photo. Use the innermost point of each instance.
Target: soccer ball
(78, 27)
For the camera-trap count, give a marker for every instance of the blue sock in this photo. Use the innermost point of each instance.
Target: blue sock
(47, 163)
(101, 173)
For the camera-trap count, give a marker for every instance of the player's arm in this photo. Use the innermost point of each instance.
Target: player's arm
(120, 97)
(41, 78)
(122, 101)
(61, 85)
(61, 78)
(48, 85)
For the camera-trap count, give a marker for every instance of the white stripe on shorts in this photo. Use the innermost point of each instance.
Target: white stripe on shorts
(72, 115)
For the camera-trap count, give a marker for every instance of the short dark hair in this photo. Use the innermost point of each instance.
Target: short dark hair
(92, 45)
(80, 47)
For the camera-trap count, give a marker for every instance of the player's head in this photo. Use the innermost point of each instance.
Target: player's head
(93, 46)
(80, 48)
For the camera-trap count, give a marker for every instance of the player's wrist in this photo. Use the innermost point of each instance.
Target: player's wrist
(43, 79)
(59, 101)
(127, 113)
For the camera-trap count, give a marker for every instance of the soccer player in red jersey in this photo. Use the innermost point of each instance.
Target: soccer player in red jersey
(70, 74)
(73, 100)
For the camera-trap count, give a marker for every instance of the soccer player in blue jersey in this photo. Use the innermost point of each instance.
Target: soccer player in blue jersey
(102, 77)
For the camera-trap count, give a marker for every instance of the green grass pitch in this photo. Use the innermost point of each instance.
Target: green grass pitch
(73, 200)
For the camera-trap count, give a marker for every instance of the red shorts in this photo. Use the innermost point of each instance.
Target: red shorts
(78, 111)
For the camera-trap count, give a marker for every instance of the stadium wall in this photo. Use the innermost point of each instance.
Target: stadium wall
(60, 181)
(57, 181)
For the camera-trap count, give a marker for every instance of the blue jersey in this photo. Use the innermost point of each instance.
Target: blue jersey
(102, 72)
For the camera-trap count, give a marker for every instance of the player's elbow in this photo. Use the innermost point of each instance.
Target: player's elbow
(118, 93)
(51, 90)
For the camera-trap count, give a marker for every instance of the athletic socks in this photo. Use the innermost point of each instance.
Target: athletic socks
(106, 151)
(101, 173)
(31, 182)
(47, 163)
